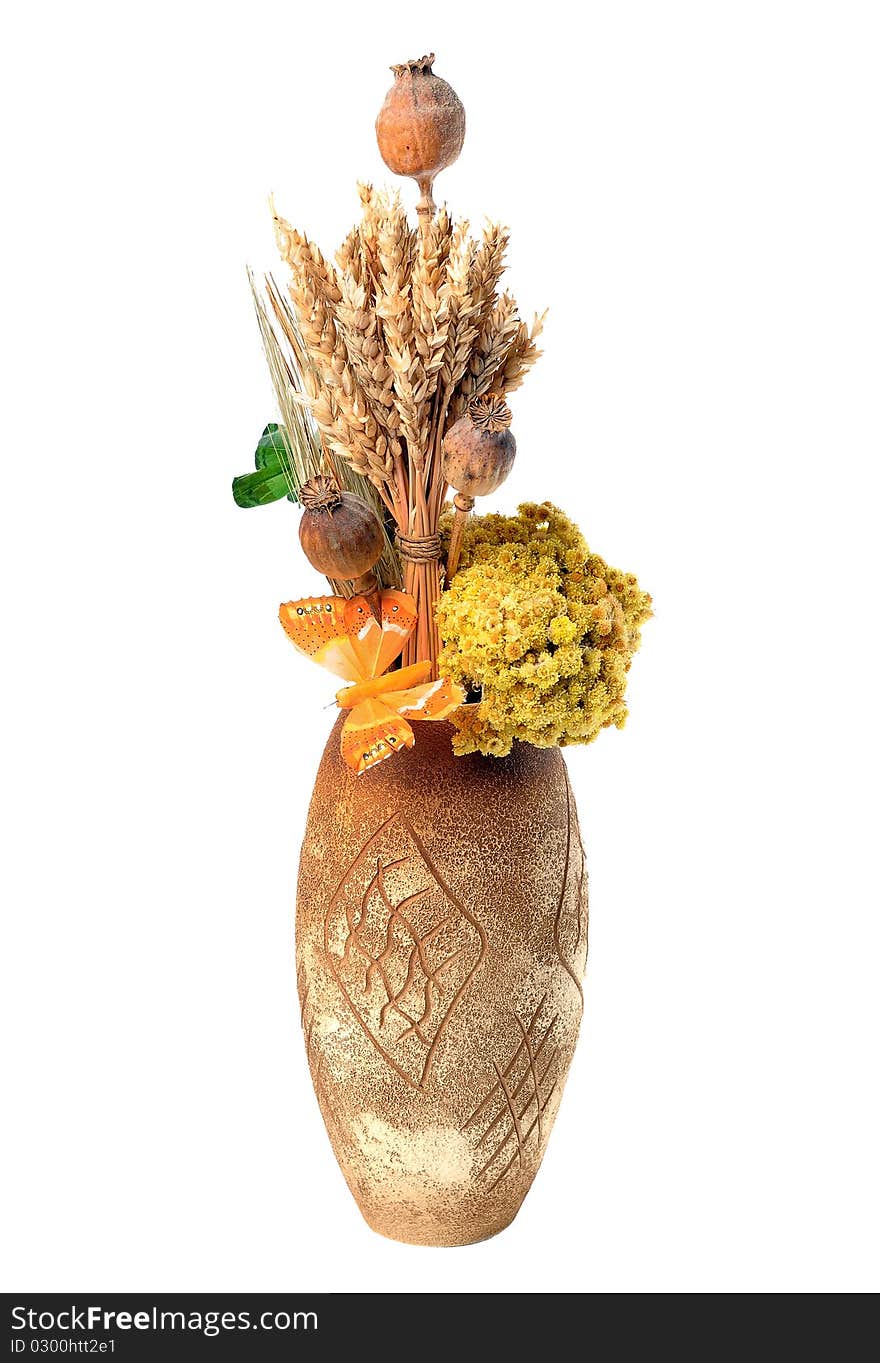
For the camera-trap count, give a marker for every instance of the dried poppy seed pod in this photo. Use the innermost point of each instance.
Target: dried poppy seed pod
(479, 450)
(340, 534)
(420, 127)
(478, 454)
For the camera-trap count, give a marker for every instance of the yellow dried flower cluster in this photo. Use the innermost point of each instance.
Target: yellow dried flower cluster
(542, 627)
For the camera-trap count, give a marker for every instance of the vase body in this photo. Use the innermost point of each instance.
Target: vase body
(441, 943)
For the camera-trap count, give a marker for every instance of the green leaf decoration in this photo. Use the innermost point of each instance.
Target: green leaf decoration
(271, 481)
(271, 452)
(260, 488)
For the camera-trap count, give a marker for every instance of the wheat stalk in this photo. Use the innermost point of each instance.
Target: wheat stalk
(489, 352)
(390, 343)
(373, 204)
(487, 268)
(340, 405)
(431, 315)
(306, 455)
(522, 354)
(394, 308)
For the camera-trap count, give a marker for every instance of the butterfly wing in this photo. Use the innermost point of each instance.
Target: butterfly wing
(376, 646)
(371, 733)
(433, 700)
(399, 619)
(345, 637)
(318, 627)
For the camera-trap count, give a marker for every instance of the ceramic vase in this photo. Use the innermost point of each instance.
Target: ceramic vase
(441, 944)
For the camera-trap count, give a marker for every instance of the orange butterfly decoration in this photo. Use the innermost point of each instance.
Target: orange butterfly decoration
(345, 637)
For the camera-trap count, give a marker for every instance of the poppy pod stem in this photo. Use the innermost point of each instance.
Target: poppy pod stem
(367, 585)
(463, 508)
(426, 206)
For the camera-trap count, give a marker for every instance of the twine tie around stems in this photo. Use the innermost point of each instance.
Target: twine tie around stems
(420, 555)
(419, 548)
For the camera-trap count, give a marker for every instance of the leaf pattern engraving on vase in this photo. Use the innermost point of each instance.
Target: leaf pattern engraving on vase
(514, 1106)
(402, 948)
(570, 923)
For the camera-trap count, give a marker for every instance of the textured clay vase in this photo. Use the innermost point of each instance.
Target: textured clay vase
(441, 944)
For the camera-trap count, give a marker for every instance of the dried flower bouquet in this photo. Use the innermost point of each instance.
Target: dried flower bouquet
(393, 364)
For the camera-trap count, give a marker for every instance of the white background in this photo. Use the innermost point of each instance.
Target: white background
(693, 191)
